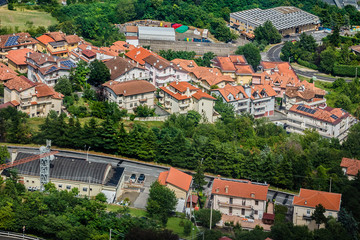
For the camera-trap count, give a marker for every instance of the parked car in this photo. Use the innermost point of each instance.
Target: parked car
(132, 178)
(141, 178)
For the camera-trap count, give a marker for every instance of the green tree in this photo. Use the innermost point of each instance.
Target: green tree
(161, 202)
(199, 178)
(99, 73)
(125, 10)
(334, 38)
(203, 216)
(79, 75)
(307, 42)
(4, 154)
(267, 32)
(318, 215)
(343, 101)
(287, 51)
(100, 197)
(327, 60)
(64, 86)
(251, 53)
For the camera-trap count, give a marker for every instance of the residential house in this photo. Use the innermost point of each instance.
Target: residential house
(16, 41)
(304, 93)
(236, 67)
(239, 198)
(306, 202)
(131, 35)
(138, 54)
(279, 75)
(350, 167)
(47, 69)
(121, 47)
(130, 94)
(181, 97)
(328, 122)
(6, 73)
(177, 181)
(122, 69)
(258, 100)
(89, 53)
(58, 43)
(17, 59)
(34, 99)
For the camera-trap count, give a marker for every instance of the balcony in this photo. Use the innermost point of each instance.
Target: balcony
(259, 105)
(183, 105)
(225, 204)
(143, 100)
(307, 217)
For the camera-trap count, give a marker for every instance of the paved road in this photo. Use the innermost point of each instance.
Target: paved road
(273, 54)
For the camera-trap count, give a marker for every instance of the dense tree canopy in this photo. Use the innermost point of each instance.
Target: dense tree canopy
(251, 53)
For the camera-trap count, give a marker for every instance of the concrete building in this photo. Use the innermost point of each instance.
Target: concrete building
(239, 198)
(122, 70)
(67, 173)
(181, 97)
(328, 122)
(16, 41)
(44, 68)
(306, 202)
(258, 100)
(350, 167)
(34, 99)
(130, 94)
(156, 33)
(17, 59)
(236, 67)
(286, 19)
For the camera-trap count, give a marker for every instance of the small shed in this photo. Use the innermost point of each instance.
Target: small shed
(156, 33)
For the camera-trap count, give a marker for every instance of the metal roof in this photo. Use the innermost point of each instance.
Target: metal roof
(157, 31)
(67, 168)
(281, 17)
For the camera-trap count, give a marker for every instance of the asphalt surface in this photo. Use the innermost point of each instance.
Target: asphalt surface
(273, 54)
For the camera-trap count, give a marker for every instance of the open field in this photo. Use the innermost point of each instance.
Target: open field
(21, 16)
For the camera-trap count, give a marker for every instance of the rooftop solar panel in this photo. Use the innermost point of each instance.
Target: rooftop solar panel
(12, 41)
(334, 116)
(298, 108)
(51, 69)
(68, 63)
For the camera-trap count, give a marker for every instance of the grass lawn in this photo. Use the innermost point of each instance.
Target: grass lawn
(331, 95)
(21, 16)
(133, 211)
(173, 225)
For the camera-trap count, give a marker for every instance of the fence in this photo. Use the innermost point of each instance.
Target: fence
(149, 119)
(18, 236)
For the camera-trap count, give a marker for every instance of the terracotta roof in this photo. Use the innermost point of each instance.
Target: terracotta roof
(243, 189)
(6, 105)
(157, 61)
(238, 92)
(138, 54)
(19, 84)
(129, 88)
(188, 65)
(6, 73)
(328, 114)
(121, 46)
(176, 178)
(212, 76)
(311, 198)
(119, 66)
(352, 166)
(200, 94)
(133, 29)
(103, 50)
(22, 39)
(57, 36)
(71, 39)
(177, 96)
(15, 103)
(244, 69)
(43, 90)
(269, 216)
(283, 68)
(227, 64)
(88, 53)
(355, 48)
(182, 86)
(257, 90)
(131, 37)
(41, 58)
(45, 39)
(304, 90)
(18, 56)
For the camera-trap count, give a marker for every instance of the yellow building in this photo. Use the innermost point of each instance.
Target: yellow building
(177, 181)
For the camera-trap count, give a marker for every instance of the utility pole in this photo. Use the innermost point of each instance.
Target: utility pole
(330, 185)
(110, 234)
(211, 205)
(87, 154)
(355, 72)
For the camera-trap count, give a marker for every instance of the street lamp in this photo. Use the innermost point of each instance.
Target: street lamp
(87, 154)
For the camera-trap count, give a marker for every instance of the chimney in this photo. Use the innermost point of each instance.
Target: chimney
(28, 54)
(217, 190)
(110, 71)
(305, 202)
(115, 68)
(137, 64)
(124, 91)
(13, 155)
(58, 64)
(226, 189)
(126, 69)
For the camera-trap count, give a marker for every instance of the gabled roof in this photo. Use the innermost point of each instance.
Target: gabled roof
(139, 54)
(212, 76)
(119, 66)
(188, 65)
(157, 62)
(176, 178)
(121, 46)
(41, 58)
(45, 39)
(244, 69)
(72, 39)
(283, 68)
(177, 96)
(227, 64)
(233, 90)
(6, 73)
(43, 90)
(241, 189)
(129, 88)
(311, 198)
(200, 94)
(57, 36)
(19, 84)
(270, 92)
(352, 166)
(182, 86)
(16, 40)
(18, 56)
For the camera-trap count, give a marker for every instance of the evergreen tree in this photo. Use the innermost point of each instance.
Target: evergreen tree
(99, 73)
(318, 215)
(199, 178)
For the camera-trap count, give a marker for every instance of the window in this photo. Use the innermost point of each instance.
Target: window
(131, 97)
(330, 213)
(242, 211)
(308, 212)
(230, 210)
(256, 202)
(32, 182)
(85, 189)
(141, 74)
(90, 189)
(231, 200)
(243, 202)
(27, 180)
(60, 185)
(135, 104)
(68, 187)
(131, 104)
(256, 212)
(120, 101)
(52, 105)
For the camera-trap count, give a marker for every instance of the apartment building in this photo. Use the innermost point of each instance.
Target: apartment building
(304, 93)
(181, 97)
(239, 198)
(328, 122)
(44, 68)
(89, 53)
(236, 67)
(177, 181)
(16, 41)
(122, 70)
(130, 94)
(306, 202)
(258, 100)
(34, 99)
(350, 167)
(17, 59)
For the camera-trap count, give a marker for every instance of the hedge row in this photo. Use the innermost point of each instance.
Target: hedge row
(307, 64)
(345, 70)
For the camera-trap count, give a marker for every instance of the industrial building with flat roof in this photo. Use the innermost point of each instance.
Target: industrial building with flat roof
(156, 33)
(287, 20)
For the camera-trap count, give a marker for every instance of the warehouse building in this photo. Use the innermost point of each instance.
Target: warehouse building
(156, 33)
(287, 20)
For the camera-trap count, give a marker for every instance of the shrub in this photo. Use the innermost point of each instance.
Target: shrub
(307, 64)
(187, 228)
(345, 70)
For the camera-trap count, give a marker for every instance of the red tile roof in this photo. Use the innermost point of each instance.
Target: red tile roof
(200, 94)
(311, 198)
(6, 73)
(18, 56)
(138, 54)
(244, 69)
(244, 189)
(176, 178)
(129, 88)
(177, 96)
(72, 39)
(188, 65)
(182, 86)
(259, 89)
(24, 40)
(19, 84)
(121, 46)
(238, 92)
(6, 105)
(43, 90)
(180, 89)
(352, 166)
(45, 39)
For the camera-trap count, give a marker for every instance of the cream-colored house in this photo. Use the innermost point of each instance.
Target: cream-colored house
(181, 97)
(34, 99)
(130, 94)
(17, 59)
(239, 198)
(177, 181)
(66, 173)
(306, 202)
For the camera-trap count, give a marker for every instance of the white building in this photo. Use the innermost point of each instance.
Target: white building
(130, 94)
(156, 33)
(239, 198)
(181, 97)
(122, 69)
(328, 122)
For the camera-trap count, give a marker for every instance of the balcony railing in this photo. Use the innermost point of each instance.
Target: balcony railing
(182, 105)
(234, 205)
